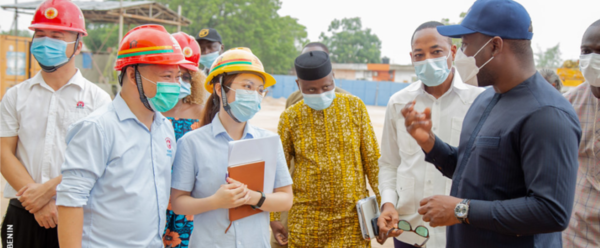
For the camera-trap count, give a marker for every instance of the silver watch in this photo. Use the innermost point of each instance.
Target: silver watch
(461, 211)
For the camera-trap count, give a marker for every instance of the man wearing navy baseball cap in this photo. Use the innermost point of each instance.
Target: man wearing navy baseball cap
(211, 46)
(514, 171)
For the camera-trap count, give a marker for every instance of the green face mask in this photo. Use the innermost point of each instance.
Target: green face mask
(167, 95)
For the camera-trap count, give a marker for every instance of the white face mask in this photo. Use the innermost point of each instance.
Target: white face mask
(590, 68)
(466, 67)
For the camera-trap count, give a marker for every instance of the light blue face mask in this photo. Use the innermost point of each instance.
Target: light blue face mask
(432, 72)
(207, 59)
(246, 104)
(167, 96)
(319, 101)
(50, 53)
(185, 89)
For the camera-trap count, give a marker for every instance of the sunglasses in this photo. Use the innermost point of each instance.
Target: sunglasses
(420, 230)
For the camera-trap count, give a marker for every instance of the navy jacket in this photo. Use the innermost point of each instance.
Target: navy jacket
(519, 170)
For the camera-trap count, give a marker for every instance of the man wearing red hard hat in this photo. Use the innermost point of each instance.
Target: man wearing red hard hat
(117, 170)
(34, 119)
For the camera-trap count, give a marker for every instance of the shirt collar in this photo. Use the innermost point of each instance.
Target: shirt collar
(124, 112)
(218, 128)
(457, 86)
(77, 79)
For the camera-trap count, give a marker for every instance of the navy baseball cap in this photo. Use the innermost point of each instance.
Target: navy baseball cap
(505, 18)
(209, 34)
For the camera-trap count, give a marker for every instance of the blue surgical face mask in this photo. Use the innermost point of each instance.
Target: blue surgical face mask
(319, 101)
(246, 104)
(432, 72)
(50, 52)
(185, 89)
(167, 96)
(207, 59)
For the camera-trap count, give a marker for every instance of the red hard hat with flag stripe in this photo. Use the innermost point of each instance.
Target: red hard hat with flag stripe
(61, 15)
(149, 44)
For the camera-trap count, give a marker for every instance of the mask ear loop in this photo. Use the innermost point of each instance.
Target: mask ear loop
(226, 106)
(480, 51)
(138, 83)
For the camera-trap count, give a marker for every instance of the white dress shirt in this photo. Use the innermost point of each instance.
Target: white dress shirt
(119, 172)
(404, 176)
(40, 117)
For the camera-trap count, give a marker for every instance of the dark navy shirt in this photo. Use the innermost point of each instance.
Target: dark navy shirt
(519, 170)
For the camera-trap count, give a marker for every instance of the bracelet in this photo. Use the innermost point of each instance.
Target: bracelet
(261, 201)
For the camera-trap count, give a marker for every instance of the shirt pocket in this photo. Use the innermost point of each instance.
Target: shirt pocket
(405, 187)
(408, 145)
(455, 129)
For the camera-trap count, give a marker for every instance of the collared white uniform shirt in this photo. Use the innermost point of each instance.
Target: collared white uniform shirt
(404, 176)
(40, 117)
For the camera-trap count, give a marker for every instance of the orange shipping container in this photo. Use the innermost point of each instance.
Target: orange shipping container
(16, 62)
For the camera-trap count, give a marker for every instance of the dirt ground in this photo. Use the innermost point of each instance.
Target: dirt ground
(268, 118)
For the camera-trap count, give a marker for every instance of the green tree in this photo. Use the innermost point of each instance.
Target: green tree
(21, 32)
(446, 21)
(255, 24)
(348, 42)
(549, 58)
(101, 37)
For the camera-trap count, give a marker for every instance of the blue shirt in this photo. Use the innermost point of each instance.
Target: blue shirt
(200, 168)
(519, 169)
(119, 172)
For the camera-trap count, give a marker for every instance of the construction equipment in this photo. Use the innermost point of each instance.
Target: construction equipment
(570, 74)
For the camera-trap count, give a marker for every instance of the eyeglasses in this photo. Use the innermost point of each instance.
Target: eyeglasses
(261, 92)
(420, 230)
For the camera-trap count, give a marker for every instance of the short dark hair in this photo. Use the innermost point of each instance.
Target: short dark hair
(430, 24)
(317, 44)
(596, 23)
(521, 48)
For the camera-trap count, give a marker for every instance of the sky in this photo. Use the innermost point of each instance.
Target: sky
(394, 21)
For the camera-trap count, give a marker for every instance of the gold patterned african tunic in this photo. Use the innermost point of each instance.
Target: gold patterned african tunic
(333, 150)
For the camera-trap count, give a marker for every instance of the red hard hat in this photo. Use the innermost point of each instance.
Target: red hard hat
(59, 15)
(190, 48)
(149, 44)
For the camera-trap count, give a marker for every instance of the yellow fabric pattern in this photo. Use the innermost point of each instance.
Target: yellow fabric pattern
(333, 151)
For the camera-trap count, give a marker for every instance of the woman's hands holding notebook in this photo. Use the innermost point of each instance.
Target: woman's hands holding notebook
(232, 195)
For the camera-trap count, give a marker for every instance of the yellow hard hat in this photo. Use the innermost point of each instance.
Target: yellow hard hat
(237, 60)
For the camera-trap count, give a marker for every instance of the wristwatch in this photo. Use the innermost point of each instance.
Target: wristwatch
(261, 201)
(461, 211)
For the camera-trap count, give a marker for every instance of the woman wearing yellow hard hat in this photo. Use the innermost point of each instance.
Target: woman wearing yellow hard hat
(200, 184)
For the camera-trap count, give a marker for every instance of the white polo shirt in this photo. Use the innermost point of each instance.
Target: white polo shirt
(40, 117)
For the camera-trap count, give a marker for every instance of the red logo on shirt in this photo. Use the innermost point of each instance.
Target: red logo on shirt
(80, 104)
(168, 140)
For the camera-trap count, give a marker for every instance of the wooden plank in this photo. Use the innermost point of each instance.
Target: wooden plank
(149, 19)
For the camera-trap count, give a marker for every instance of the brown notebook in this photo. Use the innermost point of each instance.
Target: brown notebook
(251, 174)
